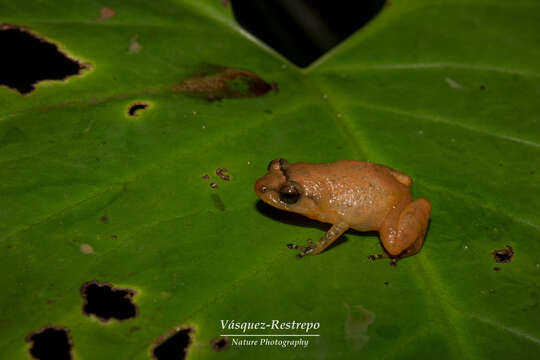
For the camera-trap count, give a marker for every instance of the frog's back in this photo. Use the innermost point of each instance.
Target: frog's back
(350, 172)
(358, 192)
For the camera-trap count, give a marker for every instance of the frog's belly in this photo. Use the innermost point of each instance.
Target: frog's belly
(367, 222)
(365, 227)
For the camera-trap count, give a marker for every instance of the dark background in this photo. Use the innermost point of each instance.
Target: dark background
(303, 30)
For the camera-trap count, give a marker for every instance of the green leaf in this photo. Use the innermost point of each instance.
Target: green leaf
(446, 92)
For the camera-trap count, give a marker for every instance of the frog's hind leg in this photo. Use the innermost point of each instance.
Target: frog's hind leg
(403, 230)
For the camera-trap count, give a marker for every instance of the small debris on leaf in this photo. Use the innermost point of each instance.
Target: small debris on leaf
(134, 46)
(221, 173)
(452, 83)
(503, 255)
(86, 249)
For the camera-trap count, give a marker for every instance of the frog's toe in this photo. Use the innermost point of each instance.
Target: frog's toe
(393, 259)
(377, 257)
(304, 250)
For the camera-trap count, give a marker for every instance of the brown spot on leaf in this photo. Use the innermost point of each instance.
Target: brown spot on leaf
(106, 13)
(213, 185)
(107, 302)
(205, 177)
(50, 342)
(503, 255)
(214, 82)
(220, 343)
(104, 219)
(173, 345)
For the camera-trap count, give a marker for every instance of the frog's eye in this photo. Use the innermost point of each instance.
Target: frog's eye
(283, 164)
(289, 194)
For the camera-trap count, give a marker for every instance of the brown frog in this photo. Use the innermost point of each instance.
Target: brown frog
(349, 194)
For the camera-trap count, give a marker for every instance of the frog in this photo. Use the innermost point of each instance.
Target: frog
(349, 194)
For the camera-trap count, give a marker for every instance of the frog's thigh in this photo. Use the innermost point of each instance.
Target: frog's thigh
(332, 235)
(405, 228)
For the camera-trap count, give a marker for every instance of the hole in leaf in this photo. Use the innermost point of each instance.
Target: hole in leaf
(136, 108)
(220, 343)
(503, 255)
(303, 30)
(107, 302)
(50, 343)
(28, 59)
(174, 345)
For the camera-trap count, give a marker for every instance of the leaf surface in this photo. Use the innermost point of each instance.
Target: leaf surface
(445, 92)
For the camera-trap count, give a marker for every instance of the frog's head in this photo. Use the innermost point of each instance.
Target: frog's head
(279, 188)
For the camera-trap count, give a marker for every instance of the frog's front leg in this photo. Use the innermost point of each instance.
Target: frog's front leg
(312, 249)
